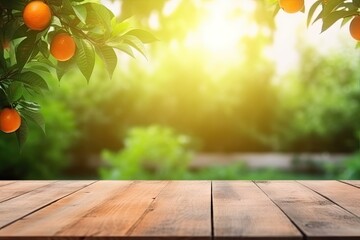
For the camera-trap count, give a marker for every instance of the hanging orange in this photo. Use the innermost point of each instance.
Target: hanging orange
(355, 28)
(10, 120)
(291, 6)
(62, 47)
(37, 15)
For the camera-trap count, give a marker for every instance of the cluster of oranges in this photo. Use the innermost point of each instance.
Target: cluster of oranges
(293, 6)
(37, 16)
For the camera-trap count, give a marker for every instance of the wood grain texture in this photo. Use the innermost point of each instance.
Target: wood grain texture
(139, 210)
(182, 210)
(344, 195)
(3, 183)
(316, 216)
(119, 213)
(27, 203)
(67, 211)
(243, 211)
(18, 188)
(355, 183)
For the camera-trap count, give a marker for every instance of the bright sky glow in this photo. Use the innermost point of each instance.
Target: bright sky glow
(219, 32)
(290, 26)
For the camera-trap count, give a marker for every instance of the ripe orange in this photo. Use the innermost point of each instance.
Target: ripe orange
(10, 120)
(355, 28)
(37, 15)
(62, 47)
(291, 6)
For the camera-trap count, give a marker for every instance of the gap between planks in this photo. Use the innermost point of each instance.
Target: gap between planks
(212, 224)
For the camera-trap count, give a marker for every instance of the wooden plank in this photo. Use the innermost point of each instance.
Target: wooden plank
(3, 183)
(316, 216)
(182, 210)
(106, 208)
(347, 196)
(242, 211)
(20, 187)
(355, 183)
(119, 209)
(27, 203)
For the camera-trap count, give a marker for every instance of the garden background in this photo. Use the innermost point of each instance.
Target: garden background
(227, 84)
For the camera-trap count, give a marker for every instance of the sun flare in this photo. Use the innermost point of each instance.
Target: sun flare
(221, 29)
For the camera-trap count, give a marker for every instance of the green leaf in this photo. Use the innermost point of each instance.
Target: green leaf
(356, 3)
(345, 20)
(85, 57)
(97, 13)
(67, 8)
(81, 13)
(108, 55)
(15, 91)
(55, 2)
(22, 133)
(15, 5)
(119, 28)
(35, 117)
(2, 59)
(126, 49)
(142, 35)
(135, 43)
(21, 32)
(276, 10)
(3, 97)
(44, 60)
(329, 7)
(44, 48)
(312, 11)
(24, 51)
(31, 106)
(33, 80)
(63, 67)
(335, 16)
(9, 29)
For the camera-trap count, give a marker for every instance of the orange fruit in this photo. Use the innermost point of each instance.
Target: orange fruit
(355, 28)
(291, 6)
(10, 120)
(37, 15)
(62, 47)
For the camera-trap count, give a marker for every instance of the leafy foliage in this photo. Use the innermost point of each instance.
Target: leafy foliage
(328, 11)
(320, 103)
(41, 158)
(25, 62)
(149, 152)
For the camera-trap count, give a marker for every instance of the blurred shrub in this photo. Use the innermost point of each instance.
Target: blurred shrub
(43, 156)
(349, 169)
(153, 152)
(352, 168)
(320, 109)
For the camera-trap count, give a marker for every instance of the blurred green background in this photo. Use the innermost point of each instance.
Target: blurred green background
(228, 92)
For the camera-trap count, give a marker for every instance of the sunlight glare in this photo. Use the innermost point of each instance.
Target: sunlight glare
(219, 31)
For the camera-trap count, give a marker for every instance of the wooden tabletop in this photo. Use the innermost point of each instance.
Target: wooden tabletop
(180, 209)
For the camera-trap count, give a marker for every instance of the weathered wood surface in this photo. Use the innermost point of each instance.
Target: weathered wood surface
(316, 216)
(337, 192)
(179, 210)
(241, 209)
(355, 183)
